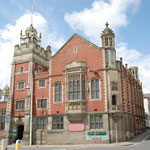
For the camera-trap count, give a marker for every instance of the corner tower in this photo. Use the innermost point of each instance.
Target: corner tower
(30, 61)
(108, 43)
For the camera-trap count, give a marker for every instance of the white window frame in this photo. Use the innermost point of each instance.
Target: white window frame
(95, 99)
(42, 85)
(61, 92)
(21, 69)
(18, 85)
(20, 109)
(40, 99)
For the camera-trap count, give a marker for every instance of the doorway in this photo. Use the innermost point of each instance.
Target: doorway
(20, 130)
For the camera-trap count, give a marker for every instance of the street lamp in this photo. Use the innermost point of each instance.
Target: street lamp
(31, 101)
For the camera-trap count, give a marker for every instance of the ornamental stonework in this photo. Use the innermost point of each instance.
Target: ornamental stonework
(114, 86)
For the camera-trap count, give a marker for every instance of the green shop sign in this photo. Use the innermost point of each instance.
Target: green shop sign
(96, 133)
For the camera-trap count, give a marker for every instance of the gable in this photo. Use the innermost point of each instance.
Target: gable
(80, 37)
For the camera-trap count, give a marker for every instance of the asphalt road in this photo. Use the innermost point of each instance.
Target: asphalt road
(144, 145)
(141, 142)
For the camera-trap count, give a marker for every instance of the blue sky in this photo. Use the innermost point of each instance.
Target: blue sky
(58, 20)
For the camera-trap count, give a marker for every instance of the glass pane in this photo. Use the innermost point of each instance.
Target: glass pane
(70, 86)
(74, 95)
(78, 95)
(78, 85)
(96, 118)
(92, 125)
(83, 85)
(39, 103)
(70, 95)
(96, 125)
(97, 94)
(61, 119)
(92, 85)
(100, 118)
(83, 95)
(56, 88)
(97, 84)
(93, 95)
(101, 125)
(56, 97)
(60, 88)
(74, 86)
(62, 126)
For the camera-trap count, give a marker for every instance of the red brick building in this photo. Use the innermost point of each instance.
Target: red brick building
(79, 95)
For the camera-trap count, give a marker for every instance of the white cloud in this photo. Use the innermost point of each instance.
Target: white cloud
(91, 21)
(10, 34)
(133, 57)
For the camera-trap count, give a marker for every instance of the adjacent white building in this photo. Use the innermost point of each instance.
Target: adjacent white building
(147, 109)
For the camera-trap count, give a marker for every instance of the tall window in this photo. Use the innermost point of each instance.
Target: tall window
(2, 118)
(42, 103)
(95, 89)
(110, 41)
(76, 87)
(149, 107)
(57, 122)
(21, 85)
(21, 69)
(42, 123)
(96, 121)
(106, 41)
(20, 105)
(58, 92)
(113, 99)
(42, 83)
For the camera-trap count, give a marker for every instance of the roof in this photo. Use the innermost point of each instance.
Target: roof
(77, 35)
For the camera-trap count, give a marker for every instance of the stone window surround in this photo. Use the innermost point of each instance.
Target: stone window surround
(67, 89)
(21, 69)
(19, 100)
(115, 99)
(23, 81)
(43, 125)
(41, 107)
(2, 118)
(42, 79)
(61, 124)
(90, 95)
(94, 114)
(56, 102)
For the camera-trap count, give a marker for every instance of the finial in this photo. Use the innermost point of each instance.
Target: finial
(21, 33)
(32, 14)
(107, 24)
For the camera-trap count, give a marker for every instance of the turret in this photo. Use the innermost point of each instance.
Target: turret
(30, 36)
(108, 43)
(108, 37)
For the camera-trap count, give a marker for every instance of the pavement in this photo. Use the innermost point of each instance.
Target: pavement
(136, 140)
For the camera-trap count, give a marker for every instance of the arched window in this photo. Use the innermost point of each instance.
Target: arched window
(114, 102)
(58, 92)
(95, 92)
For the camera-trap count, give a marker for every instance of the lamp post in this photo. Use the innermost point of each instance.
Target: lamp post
(31, 105)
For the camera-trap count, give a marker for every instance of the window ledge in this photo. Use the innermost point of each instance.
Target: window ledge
(19, 110)
(95, 99)
(56, 130)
